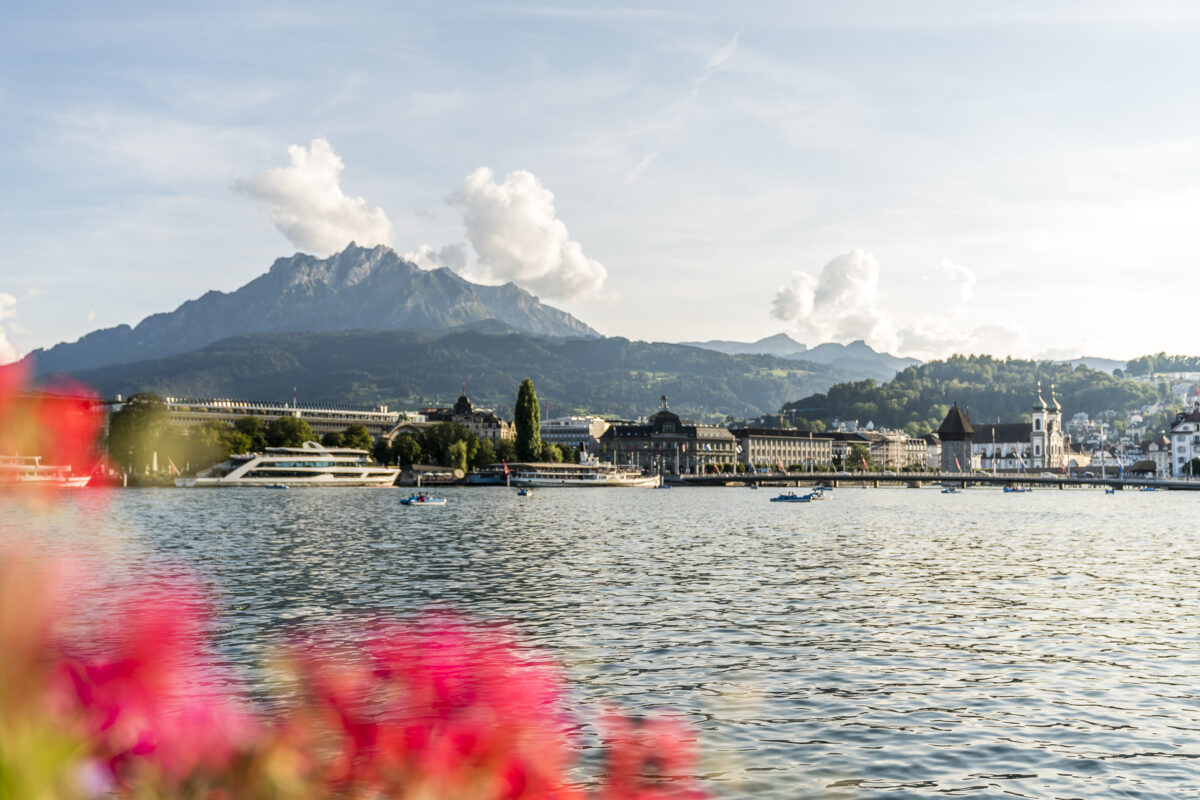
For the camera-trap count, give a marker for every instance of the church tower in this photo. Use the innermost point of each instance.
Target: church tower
(1046, 437)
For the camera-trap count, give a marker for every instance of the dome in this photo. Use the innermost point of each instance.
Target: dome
(1039, 404)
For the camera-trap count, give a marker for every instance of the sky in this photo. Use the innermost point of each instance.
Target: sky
(933, 177)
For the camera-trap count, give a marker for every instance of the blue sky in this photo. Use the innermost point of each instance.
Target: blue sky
(934, 177)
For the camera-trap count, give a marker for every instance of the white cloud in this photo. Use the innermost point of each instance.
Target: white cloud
(8, 312)
(308, 205)
(517, 236)
(453, 256)
(838, 305)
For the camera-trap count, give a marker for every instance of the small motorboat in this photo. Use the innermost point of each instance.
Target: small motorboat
(1148, 489)
(275, 486)
(1012, 489)
(949, 490)
(422, 500)
(524, 492)
(1110, 490)
(792, 497)
(754, 486)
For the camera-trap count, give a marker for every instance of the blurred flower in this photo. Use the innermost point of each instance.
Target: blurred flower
(59, 422)
(117, 693)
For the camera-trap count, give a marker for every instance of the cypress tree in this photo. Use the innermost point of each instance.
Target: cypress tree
(528, 419)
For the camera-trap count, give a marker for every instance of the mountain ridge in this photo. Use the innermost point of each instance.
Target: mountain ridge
(358, 288)
(410, 368)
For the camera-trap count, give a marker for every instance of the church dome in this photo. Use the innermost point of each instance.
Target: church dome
(1039, 404)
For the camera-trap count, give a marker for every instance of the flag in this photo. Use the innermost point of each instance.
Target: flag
(779, 462)
(171, 468)
(506, 472)
(684, 448)
(957, 465)
(293, 397)
(864, 460)
(739, 448)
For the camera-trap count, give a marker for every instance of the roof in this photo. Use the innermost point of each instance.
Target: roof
(956, 426)
(784, 433)
(1004, 433)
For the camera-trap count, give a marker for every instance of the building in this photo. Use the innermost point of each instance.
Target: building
(483, 422)
(581, 432)
(768, 448)
(665, 443)
(1039, 444)
(1185, 440)
(323, 419)
(957, 437)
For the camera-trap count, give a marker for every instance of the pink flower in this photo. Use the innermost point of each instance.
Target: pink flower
(139, 688)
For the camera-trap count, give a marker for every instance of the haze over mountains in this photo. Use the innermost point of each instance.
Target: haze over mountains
(357, 288)
(857, 357)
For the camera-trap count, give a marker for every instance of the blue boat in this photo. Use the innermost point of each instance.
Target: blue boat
(792, 497)
(422, 500)
(949, 490)
(524, 492)
(1015, 489)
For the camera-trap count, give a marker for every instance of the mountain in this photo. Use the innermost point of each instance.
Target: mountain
(411, 369)
(1098, 364)
(780, 345)
(858, 357)
(355, 289)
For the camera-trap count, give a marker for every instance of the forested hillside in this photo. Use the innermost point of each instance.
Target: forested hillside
(410, 369)
(918, 398)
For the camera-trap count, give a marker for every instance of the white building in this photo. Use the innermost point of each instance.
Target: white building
(323, 419)
(574, 431)
(1185, 439)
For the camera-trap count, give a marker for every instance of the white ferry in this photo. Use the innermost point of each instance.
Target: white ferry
(589, 473)
(310, 465)
(29, 471)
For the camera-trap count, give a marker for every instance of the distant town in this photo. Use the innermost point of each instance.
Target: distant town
(1048, 438)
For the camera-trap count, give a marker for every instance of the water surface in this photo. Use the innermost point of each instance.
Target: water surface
(885, 643)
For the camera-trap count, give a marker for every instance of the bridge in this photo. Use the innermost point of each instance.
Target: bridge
(917, 479)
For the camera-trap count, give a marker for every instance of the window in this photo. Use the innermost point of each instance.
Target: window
(1037, 424)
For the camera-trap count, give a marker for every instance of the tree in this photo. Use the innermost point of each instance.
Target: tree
(407, 450)
(528, 420)
(288, 432)
(485, 454)
(206, 444)
(456, 455)
(858, 457)
(357, 436)
(506, 450)
(333, 439)
(134, 431)
(253, 427)
(381, 451)
(1192, 468)
(552, 452)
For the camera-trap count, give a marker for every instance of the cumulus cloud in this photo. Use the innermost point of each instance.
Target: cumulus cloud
(453, 256)
(8, 312)
(517, 236)
(838, 305)
(308, 205)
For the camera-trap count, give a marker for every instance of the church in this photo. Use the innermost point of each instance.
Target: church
(1039, 444)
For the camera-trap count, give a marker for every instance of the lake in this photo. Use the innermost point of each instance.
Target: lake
(883, 643)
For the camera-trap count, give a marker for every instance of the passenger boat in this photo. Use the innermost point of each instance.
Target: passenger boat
(30, 472)
(422, 500)
(287, 467)
(589, 473)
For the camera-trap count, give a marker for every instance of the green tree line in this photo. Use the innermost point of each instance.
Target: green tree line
(918, 398)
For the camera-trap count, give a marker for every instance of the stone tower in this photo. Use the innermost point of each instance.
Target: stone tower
(957, 436)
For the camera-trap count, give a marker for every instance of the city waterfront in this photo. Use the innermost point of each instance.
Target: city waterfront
(884, 643)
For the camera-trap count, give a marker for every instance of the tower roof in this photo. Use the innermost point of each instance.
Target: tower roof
(956, 427)
(1039, 404)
